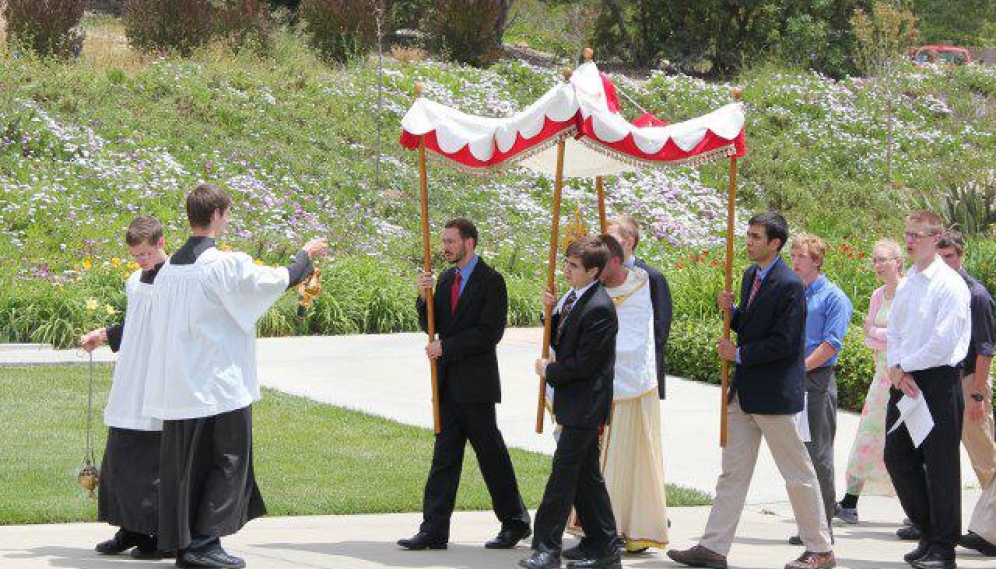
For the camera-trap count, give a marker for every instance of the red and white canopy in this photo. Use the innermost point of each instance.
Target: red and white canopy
(584, 113)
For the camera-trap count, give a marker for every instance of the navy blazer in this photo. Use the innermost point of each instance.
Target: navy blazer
(468, 369)
(586, 357)
(771, 334)
(660, 300)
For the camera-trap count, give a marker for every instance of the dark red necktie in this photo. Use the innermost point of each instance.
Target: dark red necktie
(455, 292)
(754, 288)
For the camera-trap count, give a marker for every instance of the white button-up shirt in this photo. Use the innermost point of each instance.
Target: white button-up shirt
(930, 322)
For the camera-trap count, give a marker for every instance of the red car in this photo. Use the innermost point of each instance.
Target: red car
(946, 54)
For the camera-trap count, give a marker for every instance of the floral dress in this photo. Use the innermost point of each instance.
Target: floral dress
(866, 472)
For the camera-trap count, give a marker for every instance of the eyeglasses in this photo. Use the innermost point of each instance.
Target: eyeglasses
(920, 234)
(882, 260)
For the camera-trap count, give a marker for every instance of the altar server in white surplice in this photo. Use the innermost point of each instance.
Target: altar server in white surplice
(128, 493)
(632, 460)
(202, 381)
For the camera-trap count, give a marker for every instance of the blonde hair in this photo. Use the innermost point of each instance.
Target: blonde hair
(812, 245)
(931, 220)
(627, 227)
(890, 245)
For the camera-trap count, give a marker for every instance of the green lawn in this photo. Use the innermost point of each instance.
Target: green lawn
(310, 458)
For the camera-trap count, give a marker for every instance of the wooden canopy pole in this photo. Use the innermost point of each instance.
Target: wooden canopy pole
(731, 207)
(558, 188)
(430, 306)
(600, 189)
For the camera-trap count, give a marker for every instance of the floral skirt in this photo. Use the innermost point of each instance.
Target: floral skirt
(866, 472)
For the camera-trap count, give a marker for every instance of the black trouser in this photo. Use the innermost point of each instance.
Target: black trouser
(928, 479)
(474, 422)
(576, 479)
(821, 409)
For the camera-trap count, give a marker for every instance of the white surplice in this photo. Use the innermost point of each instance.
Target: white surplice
(204, 329)
(124, 402)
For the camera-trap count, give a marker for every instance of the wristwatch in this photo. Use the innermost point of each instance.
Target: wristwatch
(977, 397)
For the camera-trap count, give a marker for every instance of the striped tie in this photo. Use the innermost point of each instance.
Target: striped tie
(754, 288)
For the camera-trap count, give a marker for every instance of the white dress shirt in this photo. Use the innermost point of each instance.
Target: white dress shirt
(930, 321)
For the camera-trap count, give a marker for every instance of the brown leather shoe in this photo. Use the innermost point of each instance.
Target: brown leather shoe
(813, 560)
(698, 556)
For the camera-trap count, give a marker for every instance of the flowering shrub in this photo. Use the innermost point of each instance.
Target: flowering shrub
(47, 27)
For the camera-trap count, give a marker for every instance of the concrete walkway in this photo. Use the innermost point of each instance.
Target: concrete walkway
(367, 542)
(388, 376)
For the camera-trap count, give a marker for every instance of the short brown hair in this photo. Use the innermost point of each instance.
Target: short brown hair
(615, 249)
(465, 226)
(592, 251)
(933, 221)
(203, 202)
(812, 245)
(144, 229)
(627, 228)
(952, 238)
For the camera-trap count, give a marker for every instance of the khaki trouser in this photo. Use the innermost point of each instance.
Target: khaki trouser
(977, 436)
(739, 457)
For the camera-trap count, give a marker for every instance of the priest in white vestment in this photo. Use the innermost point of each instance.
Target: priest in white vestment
(202, 381)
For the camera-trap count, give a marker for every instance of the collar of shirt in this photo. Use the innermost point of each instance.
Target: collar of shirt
(763, 273)
(931, 271)
(577, 293)
(466, 270)
(817, 285)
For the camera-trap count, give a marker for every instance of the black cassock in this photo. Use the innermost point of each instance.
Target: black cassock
(128, 493)
(208, 484)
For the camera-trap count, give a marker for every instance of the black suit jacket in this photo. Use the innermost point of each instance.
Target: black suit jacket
(660, 299)
(586, 356)
(468, 368)
(771, 334)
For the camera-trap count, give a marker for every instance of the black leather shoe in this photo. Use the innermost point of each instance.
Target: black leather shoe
(508, 538)
(151, 554)
(795, 540)
(422, 540)
(540, 559)
(908, 533)
(122, 541)
(575, 553)
(921, 549)
(216, 557)
(606, 561)
(934, 560)
(975, 541)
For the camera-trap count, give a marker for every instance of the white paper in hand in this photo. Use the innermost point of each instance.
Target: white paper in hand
(802, 421)
(916, 415)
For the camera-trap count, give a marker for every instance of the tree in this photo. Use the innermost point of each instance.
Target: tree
(881, 40)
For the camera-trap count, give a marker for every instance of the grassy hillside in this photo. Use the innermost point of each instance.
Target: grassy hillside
(87, 145)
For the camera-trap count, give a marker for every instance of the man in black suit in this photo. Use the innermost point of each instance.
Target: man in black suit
(584, 340)
(471, 309)
(766, 393)
(627, 233)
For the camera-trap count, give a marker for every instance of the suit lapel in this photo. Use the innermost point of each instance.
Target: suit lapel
(574, 316)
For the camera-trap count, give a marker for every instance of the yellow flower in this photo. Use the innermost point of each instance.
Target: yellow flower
(258, 261)
(124, 276)
(115, 262)
(87, 263)
(225, 247)
(133, 265)
(110, 310)
(91, 304)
